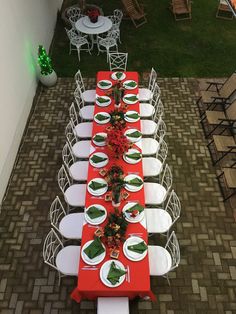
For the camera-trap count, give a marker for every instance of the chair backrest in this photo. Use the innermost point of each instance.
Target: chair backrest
(73, 11)
(173, 206)
(166, 179)
(68, 157)
(162, 152)
(172, 246)
(56, 213)
(156, 93)
(229, 87)
(70, 135)
(152, 79)
(231, 111)
(52, 245)
(118, 61)
(63, 179)
(79, 81)
(73, 115)
(73, 19)
(161, 131)
(78, 98)
(159, 109)
(135, 12)
(118, 14)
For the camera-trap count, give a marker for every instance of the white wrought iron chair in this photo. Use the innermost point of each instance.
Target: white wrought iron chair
(147, 110)
(68, 225)
(160, 220)
(117, 61)
(74, 194)
(108, 43)
(150, 127)
(88, 95)
(145, 94)
(85, 112)
(153, 166)
(78, 41)
(73, 13)
(82, 130)
(114, 305)
(64, 259)
(78, 170)
(156, 193)
(162, 260)
(81, 149)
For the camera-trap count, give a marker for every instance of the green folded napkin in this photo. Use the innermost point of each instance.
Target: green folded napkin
(119, 75)
(135, 156)
(102, 100)
(96, 159)
(98, 138)
(94, 212)
(135, 182)
(94, 249)
(96, 185)
(115, 273)
(138, 207)
(103, 83)
(131, 84)
(138, 248)
(132, 115)
(131, 98)
(101, 117)
(136, 134)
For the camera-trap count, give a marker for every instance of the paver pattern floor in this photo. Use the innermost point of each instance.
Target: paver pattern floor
(204, 282)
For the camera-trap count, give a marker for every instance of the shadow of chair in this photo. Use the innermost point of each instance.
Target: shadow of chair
(135, 12)
(181, 9)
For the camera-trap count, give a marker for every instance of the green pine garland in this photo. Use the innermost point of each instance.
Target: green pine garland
(44, 61)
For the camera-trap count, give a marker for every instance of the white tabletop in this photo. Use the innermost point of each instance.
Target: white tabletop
(84, 25)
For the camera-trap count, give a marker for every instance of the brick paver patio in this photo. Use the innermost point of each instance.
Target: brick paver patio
(205, 281)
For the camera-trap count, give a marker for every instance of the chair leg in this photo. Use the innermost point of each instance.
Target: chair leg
(78, 49)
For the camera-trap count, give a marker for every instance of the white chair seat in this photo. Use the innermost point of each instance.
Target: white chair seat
(152, 167)
(145, 94)
(117, 305)
(89, 95)
(159, 260)
(84, 129)
(82, 149)
(87, 112)
(75, 195)
(79, 170)
(149, 146)
(148, 127)
(155, 193)
(158, 220)
(71, 226)
(146, 110)
(67, 260)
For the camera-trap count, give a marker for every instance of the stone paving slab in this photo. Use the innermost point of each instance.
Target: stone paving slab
(204, 282)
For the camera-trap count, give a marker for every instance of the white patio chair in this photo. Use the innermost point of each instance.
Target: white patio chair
(73, 13)
(81, 149)
(152, 166)
(155, 193)
(64, 259)
(68, 225)
(88, 95)
(145, 94)
(118, 15)
(147, 110)
(85, 112)
(117, 61)
(150, 127)
(74, 194)
(114, 305)
(160, 220)
(78, 41)
(78, 170)
(83, 129)
(162, 260)
(109, 43)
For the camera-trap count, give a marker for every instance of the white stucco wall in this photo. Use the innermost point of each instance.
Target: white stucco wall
(24, 24)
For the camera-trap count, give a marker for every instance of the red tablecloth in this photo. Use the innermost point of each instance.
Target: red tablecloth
(89, 284)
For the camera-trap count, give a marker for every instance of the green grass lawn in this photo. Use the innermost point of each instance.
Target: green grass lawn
(202, 47)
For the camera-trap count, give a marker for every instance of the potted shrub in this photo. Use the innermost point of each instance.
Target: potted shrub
(47, 75)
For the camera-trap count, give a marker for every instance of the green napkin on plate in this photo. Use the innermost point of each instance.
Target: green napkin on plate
(119, 75)
(103, 83)
(101, 117)
(93, 212)
(115, 273)
(136, 182)
(135, 156)
(138, 207)
(131, 84)
(99, 138)
(94, 249)
(131, 98)
(96, 159)
(96, 185)
(138, 248)
(132, 116)
(136, 134)
(102, 100)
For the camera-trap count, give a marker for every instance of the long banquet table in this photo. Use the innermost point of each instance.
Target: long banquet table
(89, 285)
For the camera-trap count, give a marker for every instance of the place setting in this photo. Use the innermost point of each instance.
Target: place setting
(97, 186)
(103, 101)
(132, 156)
(99, 139)
(130, 84)
(135, 248)
(131, 116)
(102, 117)
(133, 183)
(130, 99)
(118, 76)
(98, 159)
(93, 252)
(133, 211)
(104, 84)
(95, 214)
(113, 273)
(133, 135)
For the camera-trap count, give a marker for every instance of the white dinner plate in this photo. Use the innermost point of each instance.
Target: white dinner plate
(99, 191)
(96, 260)
(107, 86)
(105, 270)
(130, 138)
(133, 256)
(95, 221)
(128, 217)
(132, 188)
(103, 104)
(130, 102)
(105, 114)
(100, 143)
(131, 119)
(114, 77)
(130, 160)
(99, 164)
(126, 86)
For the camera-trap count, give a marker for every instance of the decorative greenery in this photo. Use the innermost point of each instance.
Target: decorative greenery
(115, 180)
(44, 61)
(118, 119)
(117, 92)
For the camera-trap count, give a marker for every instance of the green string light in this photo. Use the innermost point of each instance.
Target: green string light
(44, 61)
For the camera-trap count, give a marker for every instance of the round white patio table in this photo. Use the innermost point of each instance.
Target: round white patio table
(84, 25)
